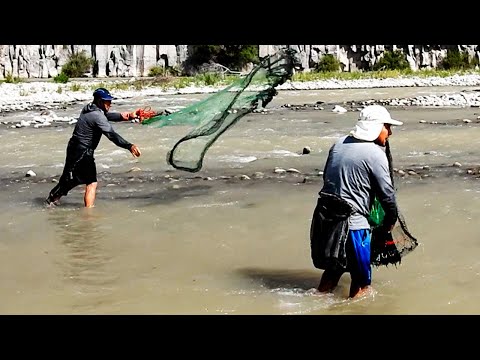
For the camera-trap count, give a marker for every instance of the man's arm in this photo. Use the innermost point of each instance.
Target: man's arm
(120, 116)
(113, 136)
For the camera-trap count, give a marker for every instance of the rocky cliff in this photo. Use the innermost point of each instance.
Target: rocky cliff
(46, 61)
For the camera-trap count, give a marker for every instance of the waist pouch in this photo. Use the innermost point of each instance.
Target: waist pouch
(329, 232)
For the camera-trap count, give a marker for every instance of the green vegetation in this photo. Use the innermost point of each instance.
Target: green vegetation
(384, 74)
(157, 71)
(77, 65)
(161, 71)
(211, 79)
(220, 65)
(233, 57)
(9, 78)
(61, 78)
(455, 60)
(392, 60)
(328, 63)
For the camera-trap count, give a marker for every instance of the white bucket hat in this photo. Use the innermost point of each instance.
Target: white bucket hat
(370, 122)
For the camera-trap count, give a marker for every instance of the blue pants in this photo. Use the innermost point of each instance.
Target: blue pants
(358, 255)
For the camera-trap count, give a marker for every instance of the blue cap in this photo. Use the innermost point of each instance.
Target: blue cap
(103, 94)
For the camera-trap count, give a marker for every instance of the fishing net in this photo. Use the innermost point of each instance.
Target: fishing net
(215, 114)
(389, 247)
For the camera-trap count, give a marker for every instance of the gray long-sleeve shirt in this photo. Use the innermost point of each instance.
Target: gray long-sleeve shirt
(357, 171)
(91, 124)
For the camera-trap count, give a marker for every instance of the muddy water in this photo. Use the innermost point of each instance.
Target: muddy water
(165, 241)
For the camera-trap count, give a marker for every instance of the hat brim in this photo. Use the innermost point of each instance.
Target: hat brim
(393, 122)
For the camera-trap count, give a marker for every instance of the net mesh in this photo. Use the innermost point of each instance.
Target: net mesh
(215, 114)
(389, 248)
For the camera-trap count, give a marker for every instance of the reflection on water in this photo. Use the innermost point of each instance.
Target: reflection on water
(295, 290)
(281, 278)
(84, 264)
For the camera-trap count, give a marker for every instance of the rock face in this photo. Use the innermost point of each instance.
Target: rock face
(46, 61)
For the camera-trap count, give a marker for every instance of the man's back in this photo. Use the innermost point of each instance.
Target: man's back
(357, 170)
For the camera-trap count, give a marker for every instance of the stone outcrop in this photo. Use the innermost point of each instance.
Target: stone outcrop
(46, 61)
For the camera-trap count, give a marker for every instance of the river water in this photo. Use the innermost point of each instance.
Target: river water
(166, 241)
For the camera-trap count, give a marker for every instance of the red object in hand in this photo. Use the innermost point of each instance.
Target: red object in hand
(145, 113)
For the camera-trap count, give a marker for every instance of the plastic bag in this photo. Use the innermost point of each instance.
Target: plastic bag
(377, 214)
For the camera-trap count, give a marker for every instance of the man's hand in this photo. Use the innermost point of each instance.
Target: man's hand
(129, 115)
(140, 114)
(135, 150)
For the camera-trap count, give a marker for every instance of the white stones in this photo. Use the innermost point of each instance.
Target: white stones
(46, 123)
(293, 170)
(339, 109)
(258, 175)
(27, 95)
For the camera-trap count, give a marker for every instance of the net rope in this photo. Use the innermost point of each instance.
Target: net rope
(391, 248)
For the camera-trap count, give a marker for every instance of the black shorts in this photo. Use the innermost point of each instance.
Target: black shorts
(79, 169)
(85, 170)
(79, 165)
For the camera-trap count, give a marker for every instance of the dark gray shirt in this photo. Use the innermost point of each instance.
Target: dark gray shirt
(92, 123)
(357, 171)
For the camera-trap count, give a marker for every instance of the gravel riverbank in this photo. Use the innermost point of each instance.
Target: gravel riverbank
(30, 95)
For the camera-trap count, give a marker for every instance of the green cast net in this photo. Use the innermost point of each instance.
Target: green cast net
(212, 116)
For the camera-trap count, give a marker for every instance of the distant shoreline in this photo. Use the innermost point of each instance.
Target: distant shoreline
(28, 95)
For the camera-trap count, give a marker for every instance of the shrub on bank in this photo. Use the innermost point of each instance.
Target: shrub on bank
(392, 60)
(455, 60)
(328, 63)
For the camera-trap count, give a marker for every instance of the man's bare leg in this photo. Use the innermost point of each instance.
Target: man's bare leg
(329, 280)
(357, 291)
(90, 193)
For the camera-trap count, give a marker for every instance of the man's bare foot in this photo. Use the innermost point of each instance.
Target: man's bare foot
(52, 203)
(363, 292)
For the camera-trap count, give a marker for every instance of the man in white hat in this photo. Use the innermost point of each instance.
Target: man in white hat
(356, 171)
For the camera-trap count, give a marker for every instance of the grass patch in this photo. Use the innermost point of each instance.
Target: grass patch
(169, 82)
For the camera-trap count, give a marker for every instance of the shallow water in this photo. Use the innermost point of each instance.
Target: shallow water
(165, 241)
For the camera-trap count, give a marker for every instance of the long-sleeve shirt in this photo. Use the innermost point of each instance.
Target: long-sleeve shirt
(90, 126)
(357, 171)
(114, 116)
